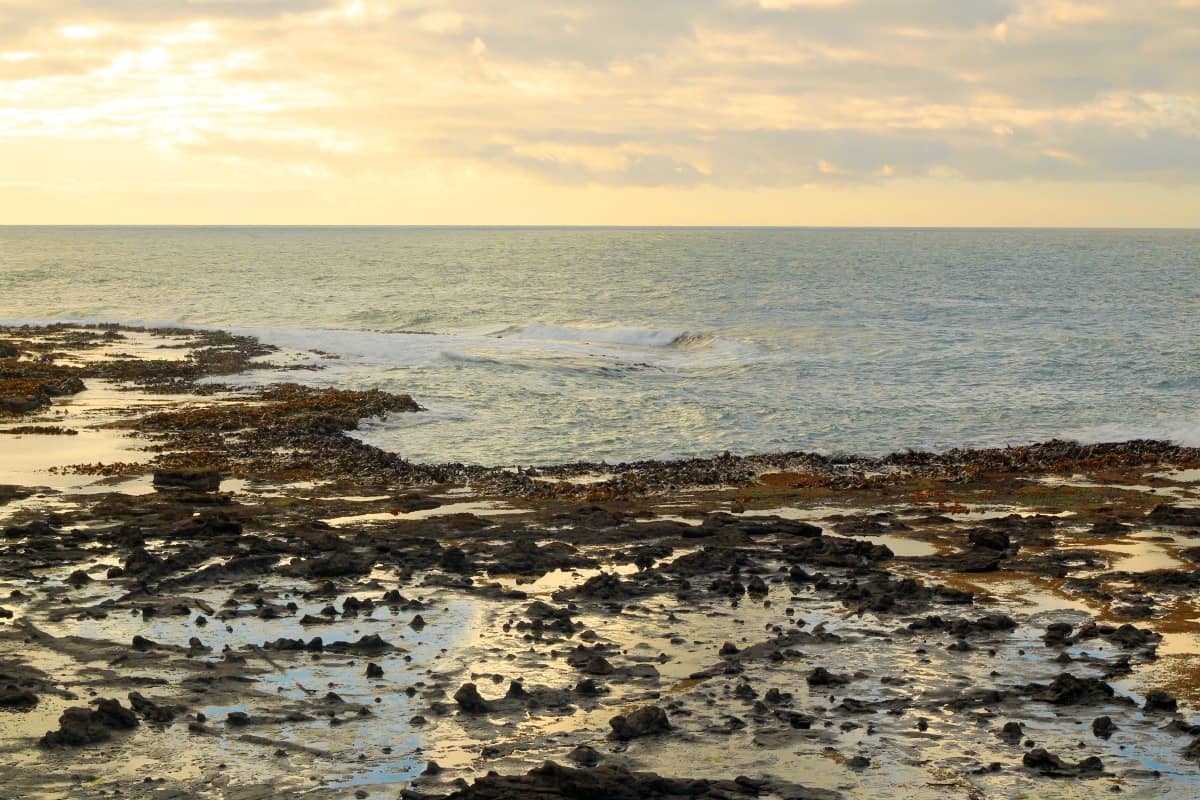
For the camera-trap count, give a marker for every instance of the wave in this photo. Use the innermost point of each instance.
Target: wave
(356, 355)
(605, 334)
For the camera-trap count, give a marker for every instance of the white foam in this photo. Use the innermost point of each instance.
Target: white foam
(601, 350)
(597, 334)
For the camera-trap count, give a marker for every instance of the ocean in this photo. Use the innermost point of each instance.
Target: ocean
(550, 345)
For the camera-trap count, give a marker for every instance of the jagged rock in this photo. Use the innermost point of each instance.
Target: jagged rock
(470, 701)
(150, 710)
(644, 721)
(608, 782)
(1068, 690)
(1047, 763)
(77, 726)
(371, 643)
(80, 726)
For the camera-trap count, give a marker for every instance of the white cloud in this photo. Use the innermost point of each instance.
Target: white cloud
(738, 93)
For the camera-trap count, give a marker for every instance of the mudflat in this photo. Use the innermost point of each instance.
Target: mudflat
(214, 591)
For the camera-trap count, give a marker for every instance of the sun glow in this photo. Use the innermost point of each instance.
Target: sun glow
(792, 101)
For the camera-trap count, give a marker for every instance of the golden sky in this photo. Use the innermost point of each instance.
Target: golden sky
(741, 112)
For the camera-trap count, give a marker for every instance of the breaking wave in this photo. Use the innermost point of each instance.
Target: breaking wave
(606, 334)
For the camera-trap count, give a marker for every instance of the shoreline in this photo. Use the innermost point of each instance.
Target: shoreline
(176, 368)
(936, 600)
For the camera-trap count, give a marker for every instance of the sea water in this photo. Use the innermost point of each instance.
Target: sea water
(547, 345)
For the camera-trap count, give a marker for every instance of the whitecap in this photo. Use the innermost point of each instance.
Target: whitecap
(599, 334)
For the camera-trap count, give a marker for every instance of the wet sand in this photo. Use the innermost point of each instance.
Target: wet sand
(291, 613)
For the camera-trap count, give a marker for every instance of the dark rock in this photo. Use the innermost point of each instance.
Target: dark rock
(470, 701)
(32, 529)
(1068, 690)
(1049, 764)
(1057, 634)
(609, 782)
(598, 665)
(1158, 700)
(992, 540)
(14, 697)
(408, 503)
(142, 643)
(1012, 732)
(852, 705)
(823, 677)
(1103, 727)
(196, 480)
(454, 559)
(605, 586)
(1130, 637)
(525, 557)
(79, 578)
(371, 643)
(140, 562)
(1174, 516)
(80, 726)
(285, 644)
(77, 726)
(332, 565)
(585, 756)
(150, 710)
(795, 719)
(644, 721)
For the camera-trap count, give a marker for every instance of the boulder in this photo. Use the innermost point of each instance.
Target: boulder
(644, 721)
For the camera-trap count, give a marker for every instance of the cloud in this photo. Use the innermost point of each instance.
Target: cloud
(718, 93)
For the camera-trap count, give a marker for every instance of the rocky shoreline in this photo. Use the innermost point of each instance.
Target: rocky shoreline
(214, 591)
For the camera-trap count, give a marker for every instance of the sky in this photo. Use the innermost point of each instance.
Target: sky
(656, 112)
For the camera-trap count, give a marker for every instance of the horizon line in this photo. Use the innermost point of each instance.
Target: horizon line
(565, 226)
